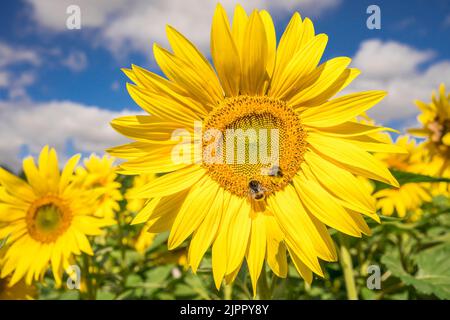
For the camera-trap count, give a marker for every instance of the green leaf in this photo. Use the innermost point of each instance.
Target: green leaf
(158, 274)
(404, 177)
(133, 280)
(433, 274)
(105, 295)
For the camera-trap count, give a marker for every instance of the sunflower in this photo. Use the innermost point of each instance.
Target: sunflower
(47, 218)
(409, 197)
(435, 120)
(100, 173)
(144, 241)
(243, 208)
(19, 291)
(134, 204)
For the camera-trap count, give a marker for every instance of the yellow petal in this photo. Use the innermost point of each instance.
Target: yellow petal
(373, 145)
(224, 53)
(353, 129)
(318, 81)
(302, 269)
(238, 28)
(184, 49)
(255, 56)
(161, 86)
(256, 249)
(67, 172)
(170, 183)
(301, 65)
(324, 207)
(16, 186)
(340, 84)
(186, 76)
(238, 233)
(289, 44)
(276, 250)
(145, 213)
(199, 199)
(164, 108)
(351, 158)
(205, 234)
(300, 233)
(271, 41)
(341, 109)
(146, 128)
(160, 160)
(33, 176)
(220, 245)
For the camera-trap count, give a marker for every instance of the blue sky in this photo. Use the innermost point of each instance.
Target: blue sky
(44, 65)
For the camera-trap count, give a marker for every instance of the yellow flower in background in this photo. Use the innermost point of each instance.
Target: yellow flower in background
(100, 173)
(434, 167)
(435, 119)
(134, 204)
(19, 291)
(178, 257)
(144, 241)
(47, 218)
(249, 210)
(409, 197)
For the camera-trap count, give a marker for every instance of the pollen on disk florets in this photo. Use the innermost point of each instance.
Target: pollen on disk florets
(270, 121)
(47, 218)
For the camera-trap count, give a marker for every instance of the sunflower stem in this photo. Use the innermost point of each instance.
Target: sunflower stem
(347, 267)
(89, 292)
(228, 291)
(263, 287)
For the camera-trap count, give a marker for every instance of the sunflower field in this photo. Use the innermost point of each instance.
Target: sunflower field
(343, 208)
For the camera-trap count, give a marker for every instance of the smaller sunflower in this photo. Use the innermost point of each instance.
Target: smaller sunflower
(135, 204)
(144, 241)
(408, 198)
(435, 120)
(19, 291)
(47, 218)
(100, 173)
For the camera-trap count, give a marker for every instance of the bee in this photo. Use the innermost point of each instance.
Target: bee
(273, 171)
(256, 190)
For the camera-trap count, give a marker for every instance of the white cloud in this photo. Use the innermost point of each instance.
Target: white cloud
(10, 55)
(75, 61)
(52, 14)
(4, 79)
(20, 65)
(389, 59)
(398, 69)
(16, 84)
(136, 24)
(55, 123)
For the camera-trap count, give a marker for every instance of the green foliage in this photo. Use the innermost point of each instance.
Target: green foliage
(433, 271)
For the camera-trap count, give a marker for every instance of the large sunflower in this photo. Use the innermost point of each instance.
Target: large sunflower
(46, 218)
(100, 173)
(251, 209)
